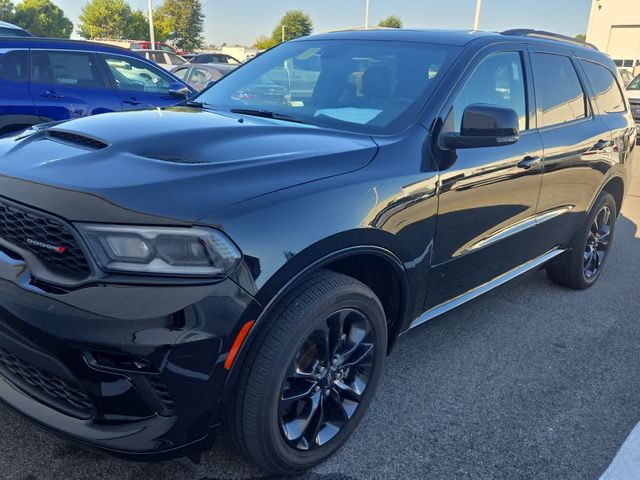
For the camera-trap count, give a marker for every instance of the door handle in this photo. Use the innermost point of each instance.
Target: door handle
(132, 101)
(601, 145)
(51, 94)
(529, 162)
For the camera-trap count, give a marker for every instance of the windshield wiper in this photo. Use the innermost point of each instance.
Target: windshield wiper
(196, 104)
(273, 115)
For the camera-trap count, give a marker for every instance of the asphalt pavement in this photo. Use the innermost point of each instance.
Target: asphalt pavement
(530, 381)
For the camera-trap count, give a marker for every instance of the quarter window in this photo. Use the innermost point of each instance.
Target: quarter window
(497, 80)
(559, 94)
(608, 95)
(14, 66)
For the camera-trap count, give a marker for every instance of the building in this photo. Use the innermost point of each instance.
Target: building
(614, 27)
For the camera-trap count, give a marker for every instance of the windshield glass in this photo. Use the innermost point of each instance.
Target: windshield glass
(634, 84)
(363, 86)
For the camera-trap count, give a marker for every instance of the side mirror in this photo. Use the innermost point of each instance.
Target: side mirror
(179, 90)
(485, 126)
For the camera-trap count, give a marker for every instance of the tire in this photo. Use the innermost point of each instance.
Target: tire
(570, 268)
(261, 413)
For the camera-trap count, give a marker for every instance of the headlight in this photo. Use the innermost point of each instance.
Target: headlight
(194, 251)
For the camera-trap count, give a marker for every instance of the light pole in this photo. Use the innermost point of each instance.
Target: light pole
(283, 29)
(366, 14)
(476, 20)
(152, 34)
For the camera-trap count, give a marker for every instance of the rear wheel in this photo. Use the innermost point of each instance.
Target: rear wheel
(582, 264)
(310, 374)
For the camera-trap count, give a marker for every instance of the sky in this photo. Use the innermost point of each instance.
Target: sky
(241, 21)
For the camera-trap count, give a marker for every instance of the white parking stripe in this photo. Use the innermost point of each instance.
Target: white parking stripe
(626, 464)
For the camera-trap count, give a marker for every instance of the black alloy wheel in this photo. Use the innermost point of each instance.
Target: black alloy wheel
(326, 380)
(309, 374)
(597, 244)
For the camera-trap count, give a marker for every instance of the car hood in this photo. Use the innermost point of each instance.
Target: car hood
(168, 166)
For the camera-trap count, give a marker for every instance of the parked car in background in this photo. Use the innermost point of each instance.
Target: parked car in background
(214, 58)
(200, 75)
(626, 75)
(11, 30)
(633, 92)
(145, 45)
(42, 80)
(251, 259)
(166, 60)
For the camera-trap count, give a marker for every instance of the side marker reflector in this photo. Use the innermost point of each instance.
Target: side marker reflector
(237, 343)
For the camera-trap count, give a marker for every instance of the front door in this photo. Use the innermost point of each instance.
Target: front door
(488, 196)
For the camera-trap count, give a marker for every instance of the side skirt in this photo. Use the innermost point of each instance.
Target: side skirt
(476, 292)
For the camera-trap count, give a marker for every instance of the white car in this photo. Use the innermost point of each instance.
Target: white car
(166, 60)
(633, 92)
(11, 30)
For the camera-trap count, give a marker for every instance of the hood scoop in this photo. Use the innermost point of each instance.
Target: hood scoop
(76, 139)
(175, 159)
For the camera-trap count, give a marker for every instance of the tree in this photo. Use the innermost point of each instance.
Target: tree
(6, 10)
(138, 26)
(182, 22)
(581, 37)
(391, 22)
(265, 43)
(42, 18)
(296, 24)
(105, 19)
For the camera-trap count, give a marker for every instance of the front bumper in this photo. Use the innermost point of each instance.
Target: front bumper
(133, 370)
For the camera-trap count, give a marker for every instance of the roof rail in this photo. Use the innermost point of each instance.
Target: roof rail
(527, 32)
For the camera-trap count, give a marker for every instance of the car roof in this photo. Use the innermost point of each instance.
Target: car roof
(61, 44)
(457, 37)
(9, 25)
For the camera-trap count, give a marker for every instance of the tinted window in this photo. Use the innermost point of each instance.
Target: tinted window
(75, 69)
(134, 74)
(608, 95)
(15, 66)
(174, 59)
(497, 80)
(558, 90)
(157, 57)
(365, 86)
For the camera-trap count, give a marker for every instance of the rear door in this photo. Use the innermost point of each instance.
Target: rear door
(17, 108)
(69, 84)
(578, 145)
(139, 83)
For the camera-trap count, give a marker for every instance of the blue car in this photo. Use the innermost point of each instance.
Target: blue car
(44, 80)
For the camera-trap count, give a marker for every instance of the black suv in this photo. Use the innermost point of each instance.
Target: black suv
(249, 258)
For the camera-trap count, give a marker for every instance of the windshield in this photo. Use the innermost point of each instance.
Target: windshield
(363, 86)
(634, 84)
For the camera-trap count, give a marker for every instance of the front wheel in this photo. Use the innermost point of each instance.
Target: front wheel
(582, 264)
(310, 374)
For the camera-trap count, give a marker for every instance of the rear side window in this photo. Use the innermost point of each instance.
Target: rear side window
(559, 94)
(14, 66)
(608, 95)
(75, 69)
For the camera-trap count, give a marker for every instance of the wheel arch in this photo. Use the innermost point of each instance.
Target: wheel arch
(616, 187)
(374, 265)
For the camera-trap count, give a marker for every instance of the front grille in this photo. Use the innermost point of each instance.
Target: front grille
(57, 392)
(51, 240)
(76, 139)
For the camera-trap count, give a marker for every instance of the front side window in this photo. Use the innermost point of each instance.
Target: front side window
(181, 73)
(74, 69)
(608, 95)
(634, 84)
(14, 66)
(364, 86)
(497, 80)
(559, 93)
(135, 75)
